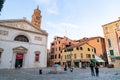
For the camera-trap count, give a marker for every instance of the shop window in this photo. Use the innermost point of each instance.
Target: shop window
(112, 60)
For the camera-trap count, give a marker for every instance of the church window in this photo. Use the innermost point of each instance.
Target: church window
(21, 38)
(36, 57)
(37, 54)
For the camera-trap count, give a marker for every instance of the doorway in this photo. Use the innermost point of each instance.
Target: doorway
(19, 60)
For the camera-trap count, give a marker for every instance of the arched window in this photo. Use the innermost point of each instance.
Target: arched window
(109, 43)
(21, 38)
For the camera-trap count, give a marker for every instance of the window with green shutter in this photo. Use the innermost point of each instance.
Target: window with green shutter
(111, 53)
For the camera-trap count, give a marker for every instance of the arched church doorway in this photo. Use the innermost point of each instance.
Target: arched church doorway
(20, 51)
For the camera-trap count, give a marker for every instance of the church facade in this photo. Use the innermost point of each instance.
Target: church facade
(23, 43)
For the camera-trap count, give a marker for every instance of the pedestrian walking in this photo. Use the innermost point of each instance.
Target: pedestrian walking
(65, 67)
(97, 70)
(92, 69)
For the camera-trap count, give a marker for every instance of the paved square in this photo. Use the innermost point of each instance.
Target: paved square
(77, 74)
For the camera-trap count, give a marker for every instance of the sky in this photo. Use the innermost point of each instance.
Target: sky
(74, 19)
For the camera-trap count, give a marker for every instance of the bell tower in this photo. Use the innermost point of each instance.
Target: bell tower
(36, 17)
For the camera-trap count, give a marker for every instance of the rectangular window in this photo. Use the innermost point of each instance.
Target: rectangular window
(97, 40)
(59, 48)
(81, 48)
(111, 53)
(52, 50)
(52, 56)
(93, 56)
(65, 56)
(81, 55)
(75, 56)
(55, 56)
(77, 48)
(59, 56)
(88, 56)
(36, 57)
(94, 50)
(88, 49)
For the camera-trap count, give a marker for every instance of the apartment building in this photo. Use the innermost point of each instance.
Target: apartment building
(112, 40)
(55, 49)
(78, 55)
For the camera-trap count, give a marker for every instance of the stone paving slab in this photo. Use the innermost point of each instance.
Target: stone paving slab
(77, 74)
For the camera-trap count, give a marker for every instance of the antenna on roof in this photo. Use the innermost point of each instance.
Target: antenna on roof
(37, 6)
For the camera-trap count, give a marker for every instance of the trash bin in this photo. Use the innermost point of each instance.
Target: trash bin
(40, 71)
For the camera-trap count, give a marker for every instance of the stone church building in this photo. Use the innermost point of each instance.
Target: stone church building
(23, 43)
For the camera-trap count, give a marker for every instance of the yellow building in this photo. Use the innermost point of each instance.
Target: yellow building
(78, 55)
(112, 40)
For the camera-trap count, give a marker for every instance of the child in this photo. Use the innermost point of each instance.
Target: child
(97, 70)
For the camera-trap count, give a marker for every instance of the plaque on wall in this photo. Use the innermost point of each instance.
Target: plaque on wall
(2, 32)
(38, 38)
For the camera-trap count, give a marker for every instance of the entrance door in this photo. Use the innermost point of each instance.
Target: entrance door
(19, 60)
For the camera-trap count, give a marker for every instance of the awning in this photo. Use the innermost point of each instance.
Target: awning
(94, 60)
(99, 59)
(117, 57)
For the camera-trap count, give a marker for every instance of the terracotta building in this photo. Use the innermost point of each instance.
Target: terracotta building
(97, 42)
(55, 49)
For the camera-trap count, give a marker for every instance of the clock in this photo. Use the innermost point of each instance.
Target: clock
(37, 17)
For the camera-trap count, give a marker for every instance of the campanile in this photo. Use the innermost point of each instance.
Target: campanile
(36, 17)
